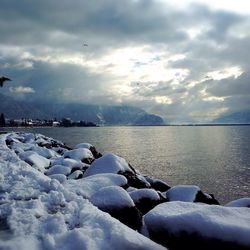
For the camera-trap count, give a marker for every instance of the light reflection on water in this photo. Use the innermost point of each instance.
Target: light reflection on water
(216, 158)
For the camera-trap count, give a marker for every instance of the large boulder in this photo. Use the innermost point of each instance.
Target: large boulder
(117, 202)
(80, 154)
(58, 169)
(35, 160)
(184, 225)
(242, 202)
(111, 163)
(189, 193)
(108, 163)
(88, 186)
(157, 184)
(93, 150)
(146, 199)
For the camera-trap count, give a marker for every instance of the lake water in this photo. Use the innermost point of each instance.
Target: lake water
(216, 158)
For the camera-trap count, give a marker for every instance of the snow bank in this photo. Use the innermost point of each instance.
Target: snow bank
(86, 187)
(143, 193)
(34, 159)
(70, 163)
(182, 193)
(108, 163)
(58, 169)
(111, 197)
(79, 154)
(83, 145)
(47, 195)
(243, 202)
(172, 220)
(38, 212)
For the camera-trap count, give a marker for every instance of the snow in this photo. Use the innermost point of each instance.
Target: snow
(79, 154)
(108, 163)
(243, 202)
(76, 175)
(58, 169)
(139, 194)
(209, 221)
(112, 197)
(83, 145)
(35, 159)
(70, 163)
(182, 193)
(39, 212)
(43, 204)
(60, 177)
(45, 152)
(87, 186)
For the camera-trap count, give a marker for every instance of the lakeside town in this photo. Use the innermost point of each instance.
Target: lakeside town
(28, 122)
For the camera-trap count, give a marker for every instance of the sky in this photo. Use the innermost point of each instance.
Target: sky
(187, 61)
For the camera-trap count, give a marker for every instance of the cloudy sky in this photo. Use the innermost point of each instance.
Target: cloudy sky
(188, 61)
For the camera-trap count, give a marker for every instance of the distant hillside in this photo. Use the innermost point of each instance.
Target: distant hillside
(235, 118)
(17, 109)
(109, 115)
(149, 119)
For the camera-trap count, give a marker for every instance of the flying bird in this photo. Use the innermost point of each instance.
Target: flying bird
(85, 44)
(3, 79)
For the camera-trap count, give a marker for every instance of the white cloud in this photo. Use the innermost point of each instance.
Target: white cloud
(159, 54)
(22, 90)
(239, 6)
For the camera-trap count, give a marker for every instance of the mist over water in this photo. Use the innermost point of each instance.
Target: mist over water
(216, 158)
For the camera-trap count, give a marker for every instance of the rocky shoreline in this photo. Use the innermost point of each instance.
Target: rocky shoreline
(46, 186)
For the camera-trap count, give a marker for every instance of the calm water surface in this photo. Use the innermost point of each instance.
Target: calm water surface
(216, 158)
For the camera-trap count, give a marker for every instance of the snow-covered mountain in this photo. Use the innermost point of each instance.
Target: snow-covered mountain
(109, 115)
(242, 117)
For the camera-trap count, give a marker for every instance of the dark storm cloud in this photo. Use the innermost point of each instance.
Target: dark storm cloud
(231, 86)
(30, 22)
(37, 36)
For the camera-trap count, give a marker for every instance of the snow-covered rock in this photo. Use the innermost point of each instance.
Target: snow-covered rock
(60, 177)
(87, 186)
(78, 174)
(70, 163)
(242, 202)
(111, 163)
(189, 193)
(93, 150)
(146, 199)
(117, 202)
(112, 197)
(80, 154)
(83, 145)
(37, 161)
(45, 152)
(157, 184)
(182, 193)
(185, 225)
(47, 195)
(108, 163)
(58, 169)
(41, 213)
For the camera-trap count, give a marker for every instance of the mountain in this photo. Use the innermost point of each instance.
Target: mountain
(18, 109)
(149, 119)
(242, 117)
(107, 115)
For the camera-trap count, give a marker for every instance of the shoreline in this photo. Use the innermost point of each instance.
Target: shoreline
(111, 185)
(127, 125)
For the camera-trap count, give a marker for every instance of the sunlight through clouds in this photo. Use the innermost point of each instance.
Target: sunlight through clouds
(172, 58)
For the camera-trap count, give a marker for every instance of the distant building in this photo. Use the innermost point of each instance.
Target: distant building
(56, 124)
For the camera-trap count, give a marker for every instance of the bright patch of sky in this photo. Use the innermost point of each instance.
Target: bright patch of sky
(159, 55)
(239, 6)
